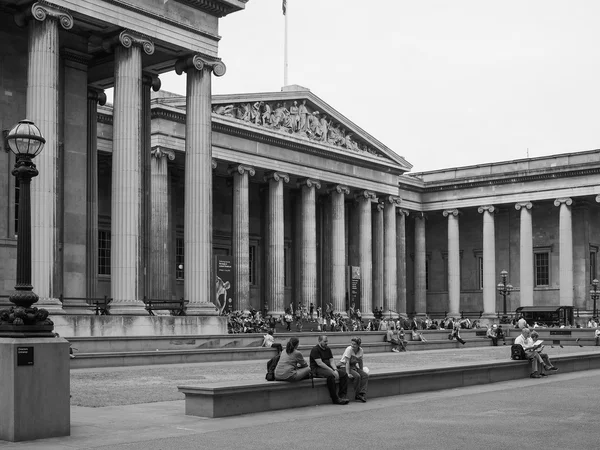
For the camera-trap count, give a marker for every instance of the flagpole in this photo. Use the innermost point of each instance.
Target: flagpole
(285, 46)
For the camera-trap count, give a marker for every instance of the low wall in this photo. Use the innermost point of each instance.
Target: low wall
(111, 326)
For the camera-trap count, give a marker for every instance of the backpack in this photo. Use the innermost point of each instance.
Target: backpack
(271, 365)
(517, 352)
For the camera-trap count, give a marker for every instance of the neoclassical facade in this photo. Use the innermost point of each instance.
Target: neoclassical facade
(140, 198)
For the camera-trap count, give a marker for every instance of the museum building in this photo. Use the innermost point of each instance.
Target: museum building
(147, 197)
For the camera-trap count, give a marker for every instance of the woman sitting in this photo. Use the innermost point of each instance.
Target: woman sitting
(352, 364)
(291, 366)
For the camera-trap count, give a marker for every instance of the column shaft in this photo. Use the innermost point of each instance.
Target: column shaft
(338, 248)
(275, 276)
(401, 258)
(453, 263)
(378, 252)
(565, 252)
(420, 266)
(126, 182)
(365, 254)
(308, 253)
(42, 108)
(526, 254)
(489, 262)
(241, 237)
(198, 194)
(390, 260)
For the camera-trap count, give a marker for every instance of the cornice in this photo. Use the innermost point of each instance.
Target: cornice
(214, 7)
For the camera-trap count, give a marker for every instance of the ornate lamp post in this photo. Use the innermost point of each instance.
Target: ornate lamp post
(504, 289)
(26, 142)
(594, 295)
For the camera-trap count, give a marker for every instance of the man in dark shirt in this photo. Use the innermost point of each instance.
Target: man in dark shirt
(322, 365)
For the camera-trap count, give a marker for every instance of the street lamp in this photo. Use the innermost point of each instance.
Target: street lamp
(504, 289)
(594, 294)
(26, 141)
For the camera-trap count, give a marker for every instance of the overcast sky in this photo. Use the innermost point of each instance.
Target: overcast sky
(444, 83)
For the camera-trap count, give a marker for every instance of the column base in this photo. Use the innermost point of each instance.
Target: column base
(127, 308)
(52, 305)
(201, 309)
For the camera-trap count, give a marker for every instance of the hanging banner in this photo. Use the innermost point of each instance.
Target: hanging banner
(224, 283)
(353, 280)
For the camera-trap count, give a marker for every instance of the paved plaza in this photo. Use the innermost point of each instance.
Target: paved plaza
(559, 412)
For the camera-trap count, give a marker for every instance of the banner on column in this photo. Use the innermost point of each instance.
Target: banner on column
(224, 283)
(353, 286)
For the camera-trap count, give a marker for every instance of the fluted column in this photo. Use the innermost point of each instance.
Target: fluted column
(420, 265)
(453, 262)
(337, 239)
(365, 251)
(95, 97)
(308, 253)
(160, 226)
(241, 235)
(390, 260)
(489, 260)
(565, 228)
(401, 258)
(42, 108)
(198, 252)
(377, 282)
(525, 254)
(126, 199)
(275, 276)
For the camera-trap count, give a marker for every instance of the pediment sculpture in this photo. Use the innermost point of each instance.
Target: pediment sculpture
(300, 120)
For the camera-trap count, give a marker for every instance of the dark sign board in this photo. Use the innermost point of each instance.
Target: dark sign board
(24, 356)
(354, 285)
(560, 333)
(225, 283)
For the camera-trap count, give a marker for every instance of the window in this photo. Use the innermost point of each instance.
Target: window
(480, 271)
(426, 273)
(252, 264)
(179, 269)
(542, 269)
(17, 191)
(593, 253)
(103, 252)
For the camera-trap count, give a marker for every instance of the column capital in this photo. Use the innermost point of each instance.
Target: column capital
(213, 163)
(277, 176)
(127, 39)
(380, 206)
(403, 212)
(160, 152)
(489, 208)
(96, 94)
(392, 200)
(420, 215)
(241, 169)
(526, 205)
(365, 195)
(454, 212)
(40, 11)
(152, 80)
(566, 200)
(339, 188)
(200, 62)
(598, 198)
(308, 182)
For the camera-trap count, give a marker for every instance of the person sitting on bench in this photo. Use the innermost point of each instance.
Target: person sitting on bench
(525, 341)
(545, 358)
(269, 341)
(291, 365)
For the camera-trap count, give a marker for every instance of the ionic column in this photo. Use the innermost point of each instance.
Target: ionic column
(489, 260)
(390, 261)
(420, 265)
(337, 240)
(377, 282)
(126, 200)
(160, 226)
(241, 235)
(401, 258)
(308, 253)
(526, 254)
(95, 97)
(198, 253)
(453, 262)
(565, 228)
(365, 251)
(275, 276)
(42, 108)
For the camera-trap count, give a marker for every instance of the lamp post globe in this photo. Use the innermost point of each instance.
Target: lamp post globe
(25, 140)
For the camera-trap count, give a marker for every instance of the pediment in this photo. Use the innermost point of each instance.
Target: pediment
(299, 114)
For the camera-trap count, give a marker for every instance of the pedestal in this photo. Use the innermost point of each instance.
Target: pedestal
(35, 388)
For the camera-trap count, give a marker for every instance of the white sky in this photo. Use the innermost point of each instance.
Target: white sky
(443, 83)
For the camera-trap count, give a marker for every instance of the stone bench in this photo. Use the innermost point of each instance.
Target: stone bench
(234, 398)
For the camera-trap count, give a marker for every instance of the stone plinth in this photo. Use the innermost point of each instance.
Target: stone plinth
(81, 326)
(34, 399)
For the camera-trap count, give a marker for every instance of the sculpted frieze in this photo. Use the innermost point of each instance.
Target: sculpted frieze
(295, 118)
